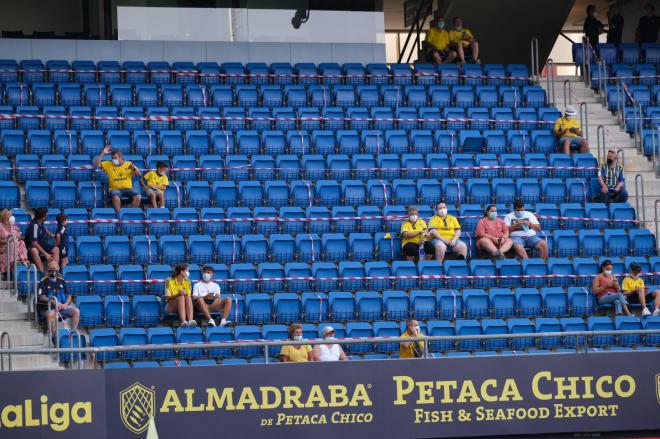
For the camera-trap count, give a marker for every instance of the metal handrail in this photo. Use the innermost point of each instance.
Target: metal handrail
(79, 355)
(568, 98)
(602, 74)
(619, 103)
(600, 134)
(5, 336)
(584, 120)
(313, 342)
(655, 141)
(32, 298)
(621, 157)
(586, 53)
(12, 255)
(655, 219)
(550, 80)
(534, 60)
(639, 178)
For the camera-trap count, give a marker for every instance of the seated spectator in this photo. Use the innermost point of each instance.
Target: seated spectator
(328, 352)
(296, 353)
(647, 29)
(62, 239)
(612, 181)
(54, 290)
(36, 240)
(155, 183)
(177, 295)
(436, 45)
(413, 349)
(523, 226)
(206, 295)
(607, 290)
(492, 234)
(444, 235)
(413, 232)
(636, 292)
(462, 40)
(7, 229)
(120, 177)
(567, 130)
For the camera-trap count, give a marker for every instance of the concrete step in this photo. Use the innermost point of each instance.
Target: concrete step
(32, 338)
(34, 361)
(13, 316)
(9, 307)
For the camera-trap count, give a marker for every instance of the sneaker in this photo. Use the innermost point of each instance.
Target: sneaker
(192, 324)
(184, 324)
(646, 312)
(224, 322)
(656, 312)
(211, 322)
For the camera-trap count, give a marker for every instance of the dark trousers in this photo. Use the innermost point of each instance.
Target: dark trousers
(612, 197)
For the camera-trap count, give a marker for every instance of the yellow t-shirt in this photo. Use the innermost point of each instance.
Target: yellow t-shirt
(564, 125)
(296, 355)
(172, 288)
(438, 38)
(119, 177)
(407, 226)
(456, 37)
(630, 284)
(446, 227)
(154, 180)
(408, 352)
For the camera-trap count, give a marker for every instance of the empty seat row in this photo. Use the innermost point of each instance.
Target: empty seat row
(627, 53)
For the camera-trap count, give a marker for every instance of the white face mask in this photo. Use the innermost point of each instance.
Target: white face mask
(458, 28)
(607, 272)
(116, 162)
(330, 337)
(297, 337)
(12, 220)
(186, 274)
(207, 276)
(416, 329)
(442, 212)
(413, 218)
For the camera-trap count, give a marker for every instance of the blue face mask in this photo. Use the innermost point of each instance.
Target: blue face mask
(519, 214)
(492, 215)
(440, 25)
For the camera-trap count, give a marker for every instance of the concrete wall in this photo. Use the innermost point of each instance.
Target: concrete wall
(190, 51)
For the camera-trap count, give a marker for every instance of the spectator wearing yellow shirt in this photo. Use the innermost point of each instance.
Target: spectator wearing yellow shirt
(636, 292)
(120, 177)
(462, 40)
(444, 235)
(298, 353)
(413, 349)
(155, 183)
(178, 295)
(413, 232)
(567, 129)
(436, 44)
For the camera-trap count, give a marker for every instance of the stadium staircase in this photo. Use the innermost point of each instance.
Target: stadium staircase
(634, 162)
(14, 320)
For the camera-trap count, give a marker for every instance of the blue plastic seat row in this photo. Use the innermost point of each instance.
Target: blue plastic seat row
(303, 193)
(627, 53)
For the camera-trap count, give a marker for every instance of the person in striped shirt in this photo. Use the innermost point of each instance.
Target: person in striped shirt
(612, 181)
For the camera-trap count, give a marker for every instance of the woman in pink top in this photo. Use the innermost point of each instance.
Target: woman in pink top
(607, 290)
(8, 228)
(492, 234)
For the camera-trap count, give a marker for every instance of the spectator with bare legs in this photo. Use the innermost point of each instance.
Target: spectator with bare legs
(120, 177)
(523, 227)
(54, 290)
(492, 234)
(177, 294)
(37, 240)
(207, 297)
(463, 42)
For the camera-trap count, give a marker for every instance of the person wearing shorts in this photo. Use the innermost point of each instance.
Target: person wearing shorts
(436, 44)
(155, 183)
(413, 232)
(636, 292)
(37, 241)
(444, 236)
(54, 290)
(523, 227)
(62, 239)
(567, 129)
(120, 178)
(207, 298)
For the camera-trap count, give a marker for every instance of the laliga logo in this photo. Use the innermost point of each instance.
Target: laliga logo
(137, 404)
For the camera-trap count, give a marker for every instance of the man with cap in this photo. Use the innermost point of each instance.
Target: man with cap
(207, 298)
(611, 180)
(567, 129)
(54, 298)
(328, 352)
(636, 292)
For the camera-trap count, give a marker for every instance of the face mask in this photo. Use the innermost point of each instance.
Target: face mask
(607, 272)
(492, 215)
(207, 276)
(186, 274)
(413, 218)
(634, 275)
(519, 214)
(160, 174)
(416, 329)
(442, 212)
(12, 220)
(297, 337)
(330, 337)
(458, 28)
(52, 274)
(440, 25)
(568, 117)
(116, 162)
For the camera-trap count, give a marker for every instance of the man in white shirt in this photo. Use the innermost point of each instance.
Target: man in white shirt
(523, 226)
(207, 298)
(328, 352)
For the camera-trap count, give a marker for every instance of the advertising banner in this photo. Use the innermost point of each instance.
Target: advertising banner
(483, 396)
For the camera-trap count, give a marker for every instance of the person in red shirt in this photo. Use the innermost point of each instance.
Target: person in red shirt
(493, 234)
(607, 289)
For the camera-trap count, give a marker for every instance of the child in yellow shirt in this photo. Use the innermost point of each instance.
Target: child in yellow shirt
(155, 183)
(636, 292)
